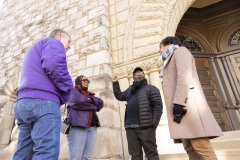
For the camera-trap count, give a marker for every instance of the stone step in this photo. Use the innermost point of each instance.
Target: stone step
(222, 155)
(226, 147)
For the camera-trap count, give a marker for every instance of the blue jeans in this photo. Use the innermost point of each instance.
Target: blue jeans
(39, 124)
(81, 142)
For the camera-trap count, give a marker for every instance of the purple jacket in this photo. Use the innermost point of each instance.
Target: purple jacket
(81, 108)
(44, 72)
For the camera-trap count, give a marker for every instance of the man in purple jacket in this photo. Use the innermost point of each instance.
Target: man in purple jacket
(45, 85)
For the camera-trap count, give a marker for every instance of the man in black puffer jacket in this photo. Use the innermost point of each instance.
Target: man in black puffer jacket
(142, 115)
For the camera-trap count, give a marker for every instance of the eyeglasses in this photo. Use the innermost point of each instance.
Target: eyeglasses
(86, 80)
(137, 74)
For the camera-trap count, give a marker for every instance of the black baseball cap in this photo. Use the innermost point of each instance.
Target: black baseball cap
(137, 69)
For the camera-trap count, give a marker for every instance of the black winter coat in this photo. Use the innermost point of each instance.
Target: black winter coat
(150, 103)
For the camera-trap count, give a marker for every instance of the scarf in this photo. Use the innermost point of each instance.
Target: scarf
(84, 92)
(166, 56)
(137, 84)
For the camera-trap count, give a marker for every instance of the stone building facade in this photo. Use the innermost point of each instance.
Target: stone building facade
(108, 37)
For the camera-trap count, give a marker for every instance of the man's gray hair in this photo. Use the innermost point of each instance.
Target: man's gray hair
(55, 32)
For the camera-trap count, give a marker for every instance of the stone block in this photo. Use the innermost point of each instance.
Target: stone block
(88, 28)
(3, 72)
(122, 16)
(73, 58)
(121, 6)
(113, 32)
(105, 44)
(3, 81)
(112, 120)
(148, 40)
(11, 65)
(102, 81)
(83, 42)
(106, 69)
(78, 65)
(7, 55)
(12, 72)
(64, 4)
(150, 15)
(7, 122)
(101, 10)
(121, 28)
(39, 18)
(87, 72)
(111, 2)
(8, 108)
(63, 152)
(112, 10)
(91, 49)
(96, 71)
(114, 44)
(98, 58)
(81, 22)
(28, 44)
(5, 136)
(72, 10)
(64, 23)
(109, 140)
(147, 31)
(104, 3)
(75, 16)
(113, 20)
(120, 42)
(99, 32)
(104, 20)
(146, 50)
(156, 7)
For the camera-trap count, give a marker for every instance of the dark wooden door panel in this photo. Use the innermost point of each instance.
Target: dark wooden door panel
(211, 92)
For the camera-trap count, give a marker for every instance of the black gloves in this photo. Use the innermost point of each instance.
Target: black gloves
(178, 112)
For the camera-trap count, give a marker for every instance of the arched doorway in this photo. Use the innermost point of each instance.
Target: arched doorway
(211, 31)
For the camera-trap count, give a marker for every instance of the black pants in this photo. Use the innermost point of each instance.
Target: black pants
(138, 138)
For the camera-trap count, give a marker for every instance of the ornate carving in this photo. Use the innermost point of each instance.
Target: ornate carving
(234, 38)
(147, 64)
(127, 47)
(168, 14)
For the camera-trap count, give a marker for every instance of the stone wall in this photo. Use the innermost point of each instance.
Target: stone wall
(108, 36)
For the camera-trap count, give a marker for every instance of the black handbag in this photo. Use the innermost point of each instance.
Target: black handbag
(65, 124)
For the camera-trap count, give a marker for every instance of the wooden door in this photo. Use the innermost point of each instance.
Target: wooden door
(211, 92)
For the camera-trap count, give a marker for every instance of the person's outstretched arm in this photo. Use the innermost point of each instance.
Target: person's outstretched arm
(121, 96)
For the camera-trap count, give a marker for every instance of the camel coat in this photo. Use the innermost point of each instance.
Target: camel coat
(181, 85)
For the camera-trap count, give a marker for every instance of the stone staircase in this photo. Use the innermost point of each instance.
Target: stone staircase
(226, 147)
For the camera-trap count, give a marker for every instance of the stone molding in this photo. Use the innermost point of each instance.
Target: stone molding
(149, 64)
(128, 38)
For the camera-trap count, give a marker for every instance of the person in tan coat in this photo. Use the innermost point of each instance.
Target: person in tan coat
(190, 119)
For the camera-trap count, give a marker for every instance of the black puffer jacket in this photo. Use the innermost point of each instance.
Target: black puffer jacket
(150, 103)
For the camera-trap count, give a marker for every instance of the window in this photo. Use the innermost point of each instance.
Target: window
(190, 43)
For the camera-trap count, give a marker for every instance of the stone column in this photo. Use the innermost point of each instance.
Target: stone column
(7, 122)
(234, 81)
(230, 79)
(124, 84)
